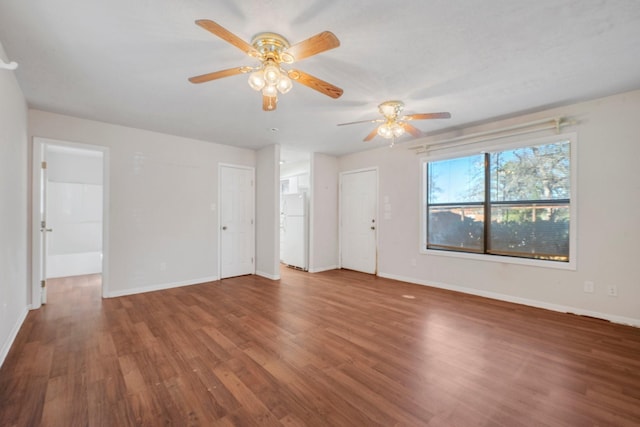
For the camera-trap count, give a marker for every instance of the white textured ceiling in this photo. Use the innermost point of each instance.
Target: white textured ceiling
(127, 62)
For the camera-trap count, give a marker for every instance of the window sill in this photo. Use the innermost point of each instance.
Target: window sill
(503, 259)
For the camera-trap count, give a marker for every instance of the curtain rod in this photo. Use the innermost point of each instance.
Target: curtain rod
(519, 129)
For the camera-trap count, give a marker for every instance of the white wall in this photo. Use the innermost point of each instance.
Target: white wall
(163, 227)
(268, 212)
(323, 221)
(74, 211)
(13, 209)
(608, 205)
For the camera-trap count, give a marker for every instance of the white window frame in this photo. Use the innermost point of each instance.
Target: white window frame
(491, 146)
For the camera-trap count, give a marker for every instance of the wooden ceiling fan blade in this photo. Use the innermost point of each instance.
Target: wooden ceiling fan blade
(314, 45)
(315, 83)
(372, 135)
(415, 132)
(425, 116)
(269, 103)
(361, 121)
(228, 36)
(219, 74)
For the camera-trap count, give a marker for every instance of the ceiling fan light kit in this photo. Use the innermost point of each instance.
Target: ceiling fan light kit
(269, 77)
(272, 50)
(390, 130)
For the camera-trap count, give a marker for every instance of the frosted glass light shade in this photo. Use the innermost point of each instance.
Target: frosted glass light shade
(270, 90)
(385, 131)
(271, 74)
(284, 84)
(390, 130)
(256, 80)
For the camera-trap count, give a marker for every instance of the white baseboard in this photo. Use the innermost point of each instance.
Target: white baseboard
(517, 300)
(267, 275)
(6, 346)
(321, 269)
(159, 287)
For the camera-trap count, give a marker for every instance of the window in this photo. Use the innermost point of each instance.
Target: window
(513, 202)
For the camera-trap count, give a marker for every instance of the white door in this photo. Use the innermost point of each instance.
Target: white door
(358, 220)
(237, 235)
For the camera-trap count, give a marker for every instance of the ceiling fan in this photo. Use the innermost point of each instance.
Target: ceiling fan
(393, 124)
(273, 50)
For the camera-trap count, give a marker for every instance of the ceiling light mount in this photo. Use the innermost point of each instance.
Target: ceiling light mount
(391, 109)
(272, 46)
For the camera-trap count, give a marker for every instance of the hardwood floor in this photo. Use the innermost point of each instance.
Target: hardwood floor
(338, 348)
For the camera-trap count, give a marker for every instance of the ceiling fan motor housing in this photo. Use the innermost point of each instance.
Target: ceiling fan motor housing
(391, 109)
(272, 45)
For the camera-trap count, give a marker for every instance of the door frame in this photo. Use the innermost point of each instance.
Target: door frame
(39, 145)
(253, 213)
(377, 210)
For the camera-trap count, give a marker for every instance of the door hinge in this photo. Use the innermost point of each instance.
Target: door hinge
(251, 260)
(43, 224)
(43, 165)
(43, 284)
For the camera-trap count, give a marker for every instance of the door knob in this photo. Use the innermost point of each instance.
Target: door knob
(224, 227)
(372, 227)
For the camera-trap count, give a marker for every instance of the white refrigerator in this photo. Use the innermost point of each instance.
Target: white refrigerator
(294, 230)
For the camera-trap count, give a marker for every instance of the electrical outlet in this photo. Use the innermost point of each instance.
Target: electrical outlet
(612, 290)
(589, 287)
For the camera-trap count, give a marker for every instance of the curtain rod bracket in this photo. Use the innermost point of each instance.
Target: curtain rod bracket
(8, 66)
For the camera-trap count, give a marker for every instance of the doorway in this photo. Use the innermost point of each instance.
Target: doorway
(295, 196)
(358, 220)
(70, 208)
(237, 224)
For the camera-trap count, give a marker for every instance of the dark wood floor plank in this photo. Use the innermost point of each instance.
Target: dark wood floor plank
(249, 403)
(338, 348)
